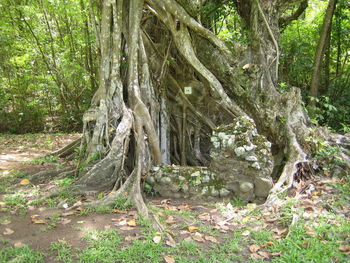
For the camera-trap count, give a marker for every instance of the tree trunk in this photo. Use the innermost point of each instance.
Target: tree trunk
(141, 115)
(320, 50)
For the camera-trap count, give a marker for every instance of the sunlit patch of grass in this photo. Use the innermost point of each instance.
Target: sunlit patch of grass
(20, 255)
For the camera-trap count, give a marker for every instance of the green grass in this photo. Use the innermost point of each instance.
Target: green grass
(20, 255)
(46, 159)
(62, 250)
(299, 246)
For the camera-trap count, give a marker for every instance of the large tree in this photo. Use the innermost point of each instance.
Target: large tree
(140, 116)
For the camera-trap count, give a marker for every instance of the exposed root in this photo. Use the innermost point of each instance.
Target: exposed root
(295, 156)
(48, 175)
(66, 150)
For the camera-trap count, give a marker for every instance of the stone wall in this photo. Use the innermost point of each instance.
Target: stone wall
(241, 166)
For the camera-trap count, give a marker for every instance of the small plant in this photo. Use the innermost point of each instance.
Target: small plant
(46, 159)
(64, 182)
(122, 203)
(237, 202)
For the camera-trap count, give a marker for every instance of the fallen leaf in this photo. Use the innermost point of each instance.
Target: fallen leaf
(69, 213)
(24, 181)
(65, 221)
(6, 222)
(211, 239)
(268, 243)
(39, 221)
(107, 227)
(184, 207)
(254, 248)
(245, 233)
(131, 222)
(170, 220)
(160, 213)
(280, 231)
(192, 229)
(2, 204)
(344, 248)
(246, 66)
(204, 217)
(169, 259)
(157, 239)
(118, 211)
(264, 254)
(18, 244)
(165, 201)
(198, 237)
(275, 254)
(81, 222)
(170, 243)
(122, 223)
(184, 232)
(8, 231)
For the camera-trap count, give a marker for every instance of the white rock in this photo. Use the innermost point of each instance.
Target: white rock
(196, 174)
(206, 179)
(224, 192)
(181, 178)
(256, 166)
(239, 151)
(165, 180)
(251, 158)
(249, 147)
(246, 187)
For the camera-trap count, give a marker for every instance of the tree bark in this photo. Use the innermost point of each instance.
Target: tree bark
(320, 50)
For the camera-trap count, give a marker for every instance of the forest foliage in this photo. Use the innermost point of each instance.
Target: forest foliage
(49, 65)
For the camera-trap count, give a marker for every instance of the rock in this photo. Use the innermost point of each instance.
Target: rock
(196, 174)
(205, 190)
(206, 179)
(251, 158)
(165, 180)
(181, 178)
(246, 187)
(185, 188)
(256, 166)
(248, 148)
(177, 195)
(262, 186)
(155, 169)
(214, 139)
(150, 180)
(214, 192)
(223, 192)
(239, 151)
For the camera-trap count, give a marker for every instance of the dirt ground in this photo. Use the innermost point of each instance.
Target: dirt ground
(40, 224)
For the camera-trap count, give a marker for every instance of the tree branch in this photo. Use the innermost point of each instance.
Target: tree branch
(286, 20)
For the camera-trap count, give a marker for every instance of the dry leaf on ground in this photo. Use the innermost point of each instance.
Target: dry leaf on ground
(198, 237)
(211, 239)
(8, 231)
(254, 248)
(169, 259)
(131, 222)
(170, 243)
(192, 229)
(6, 222)
(24, 182)
(344, 248)
(157, 239)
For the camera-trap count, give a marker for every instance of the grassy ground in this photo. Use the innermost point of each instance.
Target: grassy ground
(311, 225)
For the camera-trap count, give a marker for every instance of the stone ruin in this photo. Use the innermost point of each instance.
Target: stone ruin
(241, 165)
